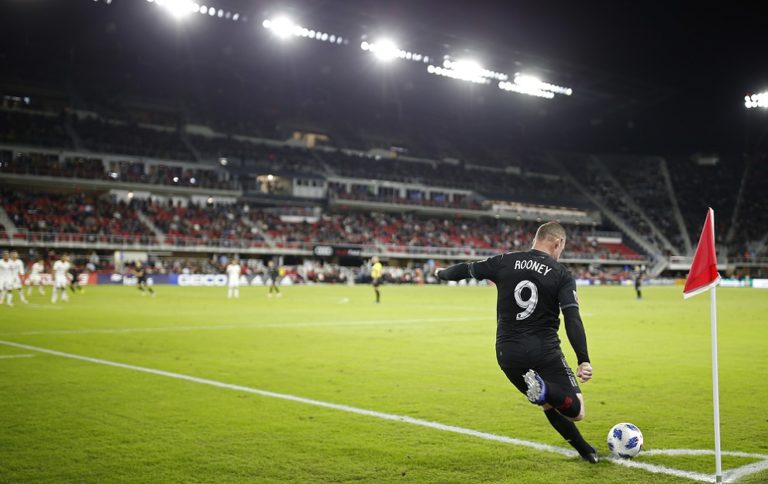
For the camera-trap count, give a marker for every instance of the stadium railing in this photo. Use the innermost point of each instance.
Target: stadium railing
(193, 244)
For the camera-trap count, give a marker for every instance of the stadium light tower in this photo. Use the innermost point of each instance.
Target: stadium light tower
(282, 27)
(758, 100)
(178, 8)
(385, 50)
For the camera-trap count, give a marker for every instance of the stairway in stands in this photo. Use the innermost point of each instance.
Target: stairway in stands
(159, 234)
(7, 223)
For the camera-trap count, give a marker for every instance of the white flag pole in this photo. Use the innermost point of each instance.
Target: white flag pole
(716, 390)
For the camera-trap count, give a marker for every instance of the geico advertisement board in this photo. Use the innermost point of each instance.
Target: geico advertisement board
(213, 280)
(203, 280)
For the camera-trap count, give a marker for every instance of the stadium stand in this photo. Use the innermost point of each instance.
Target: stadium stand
(130, 139)
(643, 182)
(633, 188)
(194, 224)
(752, 217)
(82, 217)
(93, 167)
(701, 186)
(29, 128)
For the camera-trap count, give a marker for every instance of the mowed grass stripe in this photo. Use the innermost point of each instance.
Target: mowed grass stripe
(651, 359)
(653, 468)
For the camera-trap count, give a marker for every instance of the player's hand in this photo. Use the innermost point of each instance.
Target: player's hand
(584, 372)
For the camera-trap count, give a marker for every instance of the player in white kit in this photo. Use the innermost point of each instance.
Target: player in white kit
(17, 278)
(36, 276)
(61, 278)
(233, 275)
(6, 284)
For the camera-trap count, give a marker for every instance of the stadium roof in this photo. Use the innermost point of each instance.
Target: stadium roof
(646, 77)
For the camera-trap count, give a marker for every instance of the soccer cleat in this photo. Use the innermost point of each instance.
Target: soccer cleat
(590, 457)
(537, 389)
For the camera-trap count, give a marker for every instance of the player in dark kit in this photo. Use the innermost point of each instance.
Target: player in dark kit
(74, 282)
(141, 279)
(273, 273)
(532, 290)
(638, 282)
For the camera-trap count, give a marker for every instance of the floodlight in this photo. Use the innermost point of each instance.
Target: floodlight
(530, 90)
(758, 100)
(532, 82)
(385, 50)
(527, 81)
(282, 27)
(468, 68)
(177, 8)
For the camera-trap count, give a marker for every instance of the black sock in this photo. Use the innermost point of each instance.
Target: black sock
(564, 400)
(568, 430)
(377, 295)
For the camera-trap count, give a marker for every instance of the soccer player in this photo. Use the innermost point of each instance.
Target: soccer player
(638, 282)
(532, 289)
(17, 278)
(36, 276)
(273, 272)
(233, 278)
(74, 279)
(376, 277)
(141, 279)
(61, 279)
(6, 281)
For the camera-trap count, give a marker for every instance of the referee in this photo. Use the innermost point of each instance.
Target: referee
(532, 289)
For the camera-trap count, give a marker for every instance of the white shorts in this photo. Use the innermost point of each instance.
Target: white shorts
(234, 284)
(6, 284)
(61, 282)
(34, 280)
(16, 283)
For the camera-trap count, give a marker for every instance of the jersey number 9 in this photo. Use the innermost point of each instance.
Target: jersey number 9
(528, 306)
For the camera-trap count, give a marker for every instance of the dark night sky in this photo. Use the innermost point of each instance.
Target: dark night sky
(674, 73)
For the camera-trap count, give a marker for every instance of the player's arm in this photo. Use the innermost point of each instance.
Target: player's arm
(484, 269)
(574, 327)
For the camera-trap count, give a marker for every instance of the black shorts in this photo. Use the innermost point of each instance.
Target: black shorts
(553, 370)
(141, 280)
(376, 282)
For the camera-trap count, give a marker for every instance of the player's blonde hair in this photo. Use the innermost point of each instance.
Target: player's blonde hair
(550, 230)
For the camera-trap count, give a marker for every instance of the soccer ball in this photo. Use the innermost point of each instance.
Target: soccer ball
(625, 440)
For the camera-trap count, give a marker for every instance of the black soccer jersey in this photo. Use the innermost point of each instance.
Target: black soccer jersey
(532, 287)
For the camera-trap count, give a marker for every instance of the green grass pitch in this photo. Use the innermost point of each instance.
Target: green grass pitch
(425, 352)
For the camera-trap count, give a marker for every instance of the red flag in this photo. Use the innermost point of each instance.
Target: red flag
(703, 274)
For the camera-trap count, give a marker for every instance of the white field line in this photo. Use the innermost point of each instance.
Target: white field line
(653, 468)
(731, 475)
(8, 357)
(218, 327)
(736, 474)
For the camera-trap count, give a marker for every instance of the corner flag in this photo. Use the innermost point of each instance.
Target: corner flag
(703, 276)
